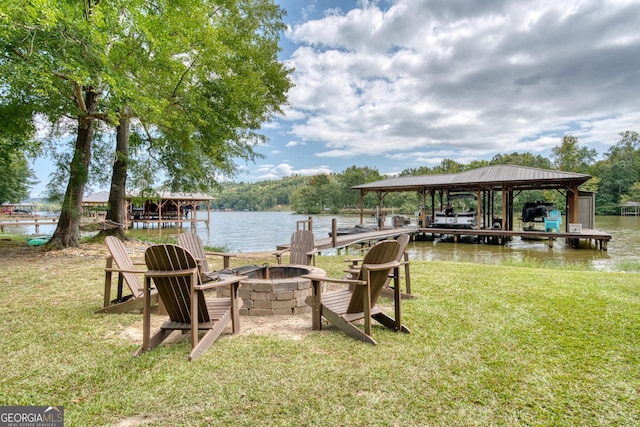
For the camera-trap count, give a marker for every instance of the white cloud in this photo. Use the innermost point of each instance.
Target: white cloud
(274, 172)
(465, 78)
(294, 144)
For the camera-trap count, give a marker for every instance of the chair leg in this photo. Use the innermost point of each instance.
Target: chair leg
(390, 322)
(210, 337)
(154, 341)
(347, 327)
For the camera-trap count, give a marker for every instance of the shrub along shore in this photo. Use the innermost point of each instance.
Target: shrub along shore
(489, 345)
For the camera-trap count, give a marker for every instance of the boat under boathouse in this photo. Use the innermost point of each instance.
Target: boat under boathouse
(494, 188)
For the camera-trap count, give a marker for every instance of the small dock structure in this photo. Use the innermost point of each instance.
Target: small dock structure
(167, 209)
(590, 237)
(630, 209)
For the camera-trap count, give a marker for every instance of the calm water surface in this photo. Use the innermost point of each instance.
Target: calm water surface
(262, 231)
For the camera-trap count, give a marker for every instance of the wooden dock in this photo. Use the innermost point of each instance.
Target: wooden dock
(600, 238)
(29, 222)
(362, 239)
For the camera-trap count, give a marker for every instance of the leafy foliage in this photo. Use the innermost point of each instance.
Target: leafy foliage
(200, 76)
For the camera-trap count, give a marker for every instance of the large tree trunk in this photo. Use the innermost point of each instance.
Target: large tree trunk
(115, 211)
(67, 232)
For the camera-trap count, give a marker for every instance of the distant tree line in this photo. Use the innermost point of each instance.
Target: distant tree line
(616, 179)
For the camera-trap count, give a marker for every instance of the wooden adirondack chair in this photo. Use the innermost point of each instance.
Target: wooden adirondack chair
(402, 258)
(302, 249)
(344, 307)
(175, 273)
(193, 243)
(127, 272)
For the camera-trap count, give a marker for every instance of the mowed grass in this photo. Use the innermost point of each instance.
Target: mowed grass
(489, 345)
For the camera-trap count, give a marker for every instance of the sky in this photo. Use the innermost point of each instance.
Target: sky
(407, 83)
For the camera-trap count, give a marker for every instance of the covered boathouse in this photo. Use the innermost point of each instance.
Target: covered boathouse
(167, 208)
(162, 209)
(495, 188)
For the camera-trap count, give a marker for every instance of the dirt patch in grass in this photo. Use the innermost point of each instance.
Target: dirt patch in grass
(293, 327)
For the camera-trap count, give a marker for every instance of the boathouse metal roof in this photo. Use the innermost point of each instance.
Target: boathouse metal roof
(486, 178)
(103, 197)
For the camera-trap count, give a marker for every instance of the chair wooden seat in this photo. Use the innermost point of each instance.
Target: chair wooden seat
(176, 275)
(346, 306)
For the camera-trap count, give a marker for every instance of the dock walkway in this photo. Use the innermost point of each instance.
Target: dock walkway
(599, 237)
(357, 238)
(27, 222)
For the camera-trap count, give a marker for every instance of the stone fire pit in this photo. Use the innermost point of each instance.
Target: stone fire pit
(274, 289)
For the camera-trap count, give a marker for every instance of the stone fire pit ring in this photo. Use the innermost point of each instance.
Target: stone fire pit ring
(273, 289)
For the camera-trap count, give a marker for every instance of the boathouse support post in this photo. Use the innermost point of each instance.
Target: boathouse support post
(334, 232)
(511, 223)
(504, 208)
(572, 206)
(479, 209)
(379, 222)
(433, 206)
(423, 214)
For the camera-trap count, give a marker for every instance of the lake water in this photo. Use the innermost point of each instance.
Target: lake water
(263, 231)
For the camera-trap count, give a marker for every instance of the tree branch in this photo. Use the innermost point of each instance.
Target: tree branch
(182, 77)
(77, 89)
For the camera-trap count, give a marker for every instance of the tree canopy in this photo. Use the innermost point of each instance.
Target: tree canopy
(199, 78)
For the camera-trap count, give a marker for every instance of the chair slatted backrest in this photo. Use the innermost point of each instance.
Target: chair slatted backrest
(403, 242)
(302, 242)
(175, 291)
(193, 243)
(121, 257)
(380, 253)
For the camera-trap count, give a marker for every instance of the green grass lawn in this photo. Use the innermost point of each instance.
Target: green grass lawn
(489, 345)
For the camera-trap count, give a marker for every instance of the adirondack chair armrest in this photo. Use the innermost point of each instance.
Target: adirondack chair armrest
(123, 270)
(222, 254)
(174, 273)
(279, 254)
(226, 282)
(354, 261)
(321, 278)
(385, 266)
(225, 257)
(312, 252)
